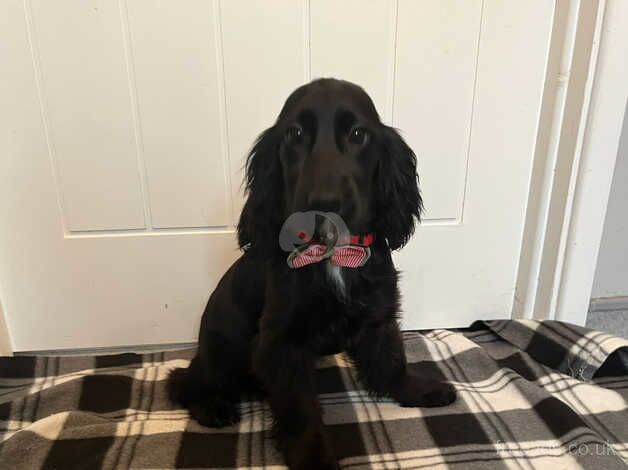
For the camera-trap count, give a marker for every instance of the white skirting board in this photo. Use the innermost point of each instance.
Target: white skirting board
(606, 304)
(139, 349)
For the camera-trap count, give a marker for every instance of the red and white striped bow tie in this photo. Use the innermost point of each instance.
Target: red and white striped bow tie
(347, 256)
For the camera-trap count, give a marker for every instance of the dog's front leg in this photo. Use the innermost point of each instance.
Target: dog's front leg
(379, 356)
(287, 374)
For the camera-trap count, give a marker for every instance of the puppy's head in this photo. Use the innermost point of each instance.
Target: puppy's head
(328, 151)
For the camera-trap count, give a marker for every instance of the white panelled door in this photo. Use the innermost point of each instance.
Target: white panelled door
(125, 126)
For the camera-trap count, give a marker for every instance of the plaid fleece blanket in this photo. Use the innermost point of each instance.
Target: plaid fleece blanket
(531, 395)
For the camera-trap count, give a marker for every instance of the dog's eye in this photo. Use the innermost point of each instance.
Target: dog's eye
(358, 136)
(294, 133)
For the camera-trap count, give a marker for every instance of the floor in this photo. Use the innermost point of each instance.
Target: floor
(611, 321)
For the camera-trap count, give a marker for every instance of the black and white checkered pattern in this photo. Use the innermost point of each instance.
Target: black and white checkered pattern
(531, 395)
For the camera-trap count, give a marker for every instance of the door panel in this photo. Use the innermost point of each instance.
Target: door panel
(355, 40)
(175, 65)
(434, 87)
(79, 51)
(129, 122)
(264, 60)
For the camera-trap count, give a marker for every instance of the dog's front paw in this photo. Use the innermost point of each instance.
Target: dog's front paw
(425, 393)
(441, 394)
(316, 464)
(310, 453)
(215, 412)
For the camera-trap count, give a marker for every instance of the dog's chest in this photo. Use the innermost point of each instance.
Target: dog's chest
(336, 280)
(330, 325)
(332, 340)
(327, 310)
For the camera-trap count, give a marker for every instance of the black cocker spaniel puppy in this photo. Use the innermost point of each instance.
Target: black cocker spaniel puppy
(331, 192)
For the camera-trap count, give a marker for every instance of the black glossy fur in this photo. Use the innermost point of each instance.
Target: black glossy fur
(266, 323)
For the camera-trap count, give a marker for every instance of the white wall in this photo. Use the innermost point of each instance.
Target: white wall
(611, 276)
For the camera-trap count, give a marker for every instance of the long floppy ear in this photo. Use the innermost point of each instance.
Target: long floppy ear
(398, 199)
(259, 221)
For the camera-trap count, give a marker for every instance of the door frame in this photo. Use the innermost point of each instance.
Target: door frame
(579, 130)
(6, 347)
